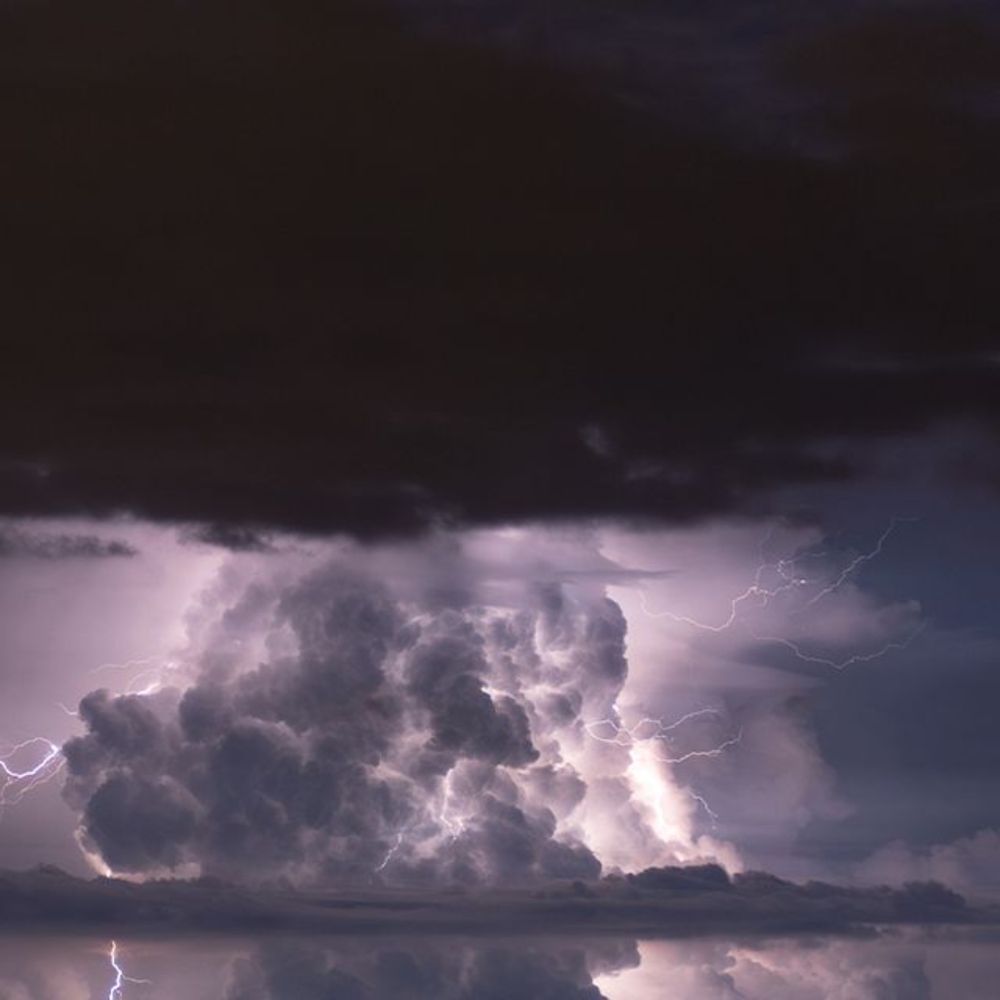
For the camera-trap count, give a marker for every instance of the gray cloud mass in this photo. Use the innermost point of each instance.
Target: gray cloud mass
(19, 543)
(372, 738)
(667, 902)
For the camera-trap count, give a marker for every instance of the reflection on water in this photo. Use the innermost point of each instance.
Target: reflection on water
(944, 964)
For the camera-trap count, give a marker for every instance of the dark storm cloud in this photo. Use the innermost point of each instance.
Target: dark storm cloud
(670, 902)
(293, 266)
(372, 740)
(17, 543)
(234, 537)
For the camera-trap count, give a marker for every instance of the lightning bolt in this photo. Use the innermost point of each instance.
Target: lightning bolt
(115, 993)
(712, 814)
(796, 648)
(857, 562)
(390, 854)
(152, 671)
(756, 589)
(447, 819)
(16, 783)
(790, 580)
(455, 825)
(647, 729)
(716, 751)
(787, 578)
(696, 714)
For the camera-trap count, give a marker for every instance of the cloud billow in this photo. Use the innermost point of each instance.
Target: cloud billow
(375, 739)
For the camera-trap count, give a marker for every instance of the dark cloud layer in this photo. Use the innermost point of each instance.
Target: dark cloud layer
(664, 902)
(235, 537)
(16, 543)
(292, 265)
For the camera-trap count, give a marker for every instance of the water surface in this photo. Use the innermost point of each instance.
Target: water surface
(892, 964)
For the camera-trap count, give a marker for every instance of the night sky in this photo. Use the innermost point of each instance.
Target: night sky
(450, 449)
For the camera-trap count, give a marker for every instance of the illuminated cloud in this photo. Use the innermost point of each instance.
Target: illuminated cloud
(374, 736)
(478, 707)
(970, 864)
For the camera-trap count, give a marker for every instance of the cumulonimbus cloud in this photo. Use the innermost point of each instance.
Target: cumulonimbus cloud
(373, 738)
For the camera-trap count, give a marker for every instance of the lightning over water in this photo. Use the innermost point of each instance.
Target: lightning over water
(118, 986)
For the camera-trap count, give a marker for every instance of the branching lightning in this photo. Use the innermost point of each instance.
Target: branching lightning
(771, 580)
(856, 563)
(629, 736)
(17, 781)
(650, 741)
(648, 729)
(115, 993)
(716, 751)
(446, 816)
(626, 736)
(148, 680)
(756, 589)
(796, 648)
(787, 578)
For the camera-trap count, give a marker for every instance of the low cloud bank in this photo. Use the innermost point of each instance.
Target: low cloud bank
(668, 901)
